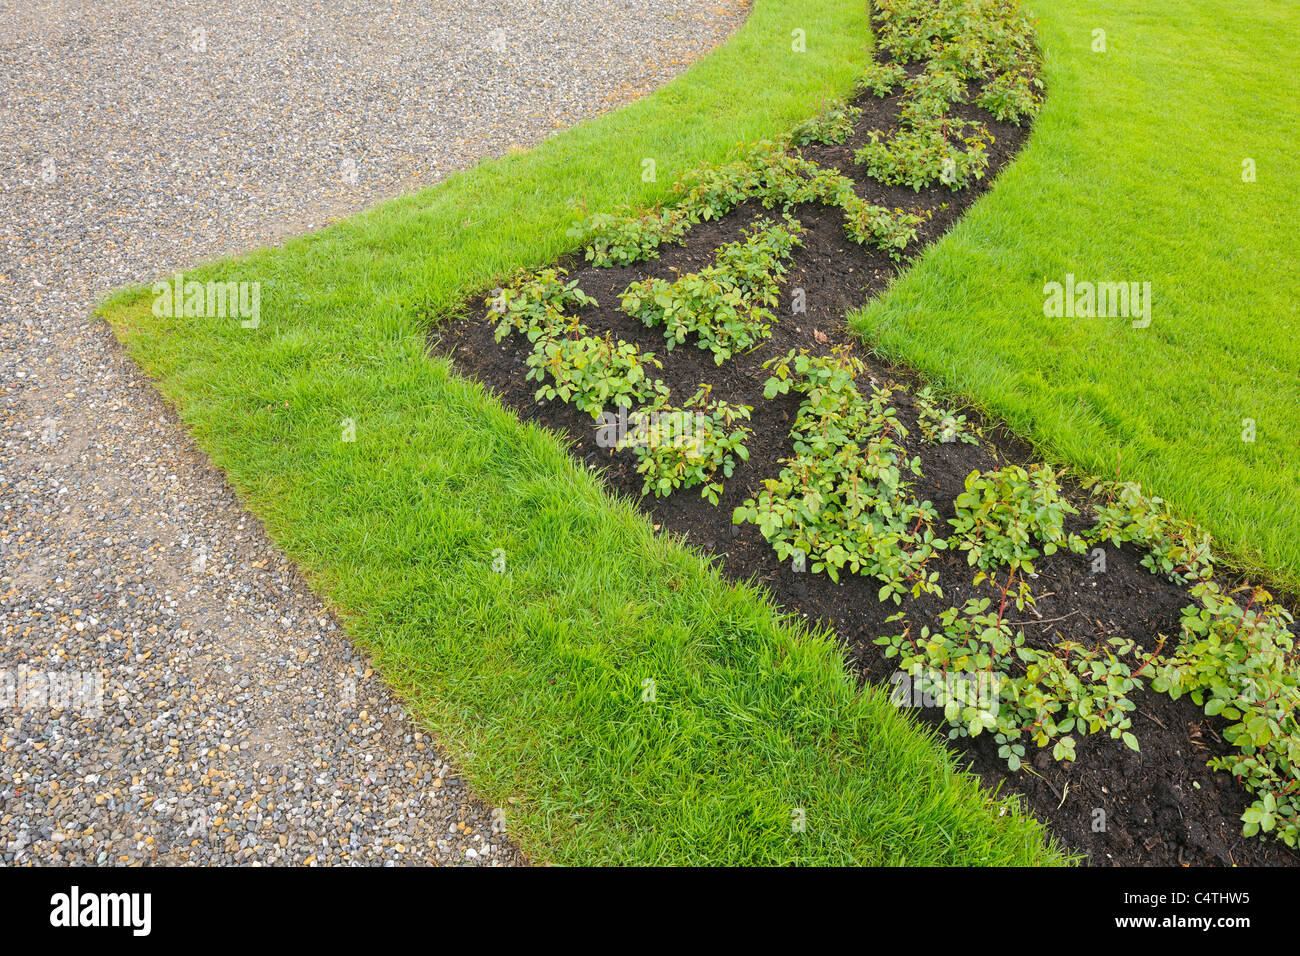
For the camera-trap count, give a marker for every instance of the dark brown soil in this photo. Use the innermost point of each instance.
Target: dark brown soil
(1162, 805)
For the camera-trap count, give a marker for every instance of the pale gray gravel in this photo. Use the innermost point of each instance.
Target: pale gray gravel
(237, 723)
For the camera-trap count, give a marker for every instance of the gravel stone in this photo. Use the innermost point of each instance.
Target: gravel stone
(170, 690)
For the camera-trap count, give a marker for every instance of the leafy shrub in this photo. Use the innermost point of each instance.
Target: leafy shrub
(593, 372)
(1018, 692)
(849, 510)
(840, 503)
(920, 157)
(1240, 664)
(767, 172)
(1237, 662)
(963, 42)
(971, 36)
(866, 224)
(932, 92)
(622, 240)
(1003, 514)
(833, 411)
(879, 78)
(779, 178)
(1175, 548)
(583, 369)
(726, 305)
(534, 305)
(710, 192)
(688, 446)
(1012, 96)
(833, 124)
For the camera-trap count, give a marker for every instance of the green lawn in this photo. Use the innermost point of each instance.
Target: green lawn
(1134, 173)
(536, 678)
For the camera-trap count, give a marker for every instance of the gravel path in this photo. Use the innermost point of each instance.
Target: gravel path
(170, 691)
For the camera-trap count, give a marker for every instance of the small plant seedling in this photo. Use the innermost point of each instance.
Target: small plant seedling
(939, 424)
